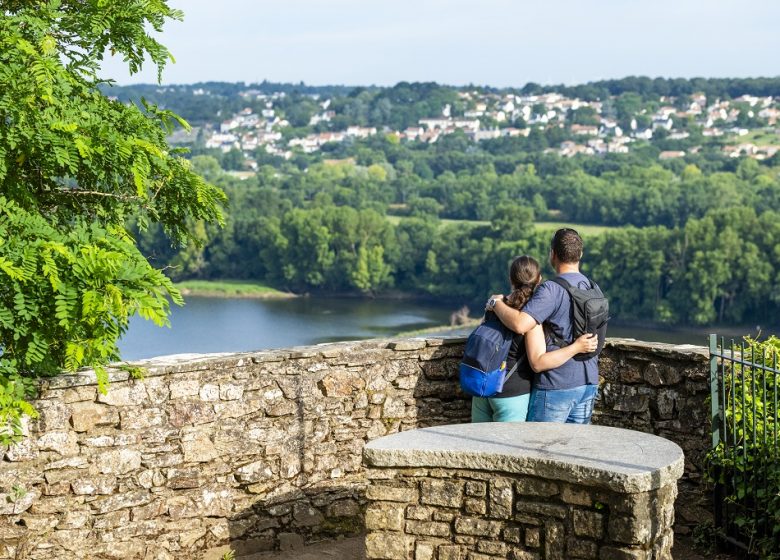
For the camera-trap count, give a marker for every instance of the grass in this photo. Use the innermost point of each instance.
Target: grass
(584, 229)
(230, 288)
(759, 137)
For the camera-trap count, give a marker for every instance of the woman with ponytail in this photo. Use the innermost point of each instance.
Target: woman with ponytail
(511, 404)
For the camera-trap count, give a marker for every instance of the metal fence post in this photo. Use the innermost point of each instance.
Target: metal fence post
(715, 416)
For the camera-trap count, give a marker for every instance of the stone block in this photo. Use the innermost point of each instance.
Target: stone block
(132, 394)
(407, 345)
(518, 554)
(78, 394)
(53, 415)
(93, 485)
(576, 495)
(111, 520)
(305, 515)
(588, 524)
(75, 519)
(385, 517)
(254, 472)
(391, 494)
(450, 552)
(341, 384)
(346, 508)
(663, 404)
(526, 486)
(493, 547)
(230, 391)
(617, 553)
(190, 413)
(121, 501)
(424, 551)
(64, 443)
(512, 534)
(441, 493)
(581, 548)
(475, 506)
(142, 420)
(184, 388)
(657, 374)
(199, 450)
(428, 528)
(476, 526)
(501, 498)
(420, 513)
(388, 546)
(538, 509)
(87, 415)
(119, 461)
(209, 392)
(630, 530)
(554, 541)
(446, 516)
(533, 537)
(476, 488)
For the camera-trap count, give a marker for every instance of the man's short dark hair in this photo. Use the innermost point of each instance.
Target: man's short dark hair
(566, 245)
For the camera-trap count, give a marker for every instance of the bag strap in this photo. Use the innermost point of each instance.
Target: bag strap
(514, 369)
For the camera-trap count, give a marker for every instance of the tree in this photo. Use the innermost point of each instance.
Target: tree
(75, 167)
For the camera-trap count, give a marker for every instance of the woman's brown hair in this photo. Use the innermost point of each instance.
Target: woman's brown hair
(524, 275)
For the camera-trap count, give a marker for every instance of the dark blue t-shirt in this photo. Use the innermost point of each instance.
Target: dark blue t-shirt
(552, 304)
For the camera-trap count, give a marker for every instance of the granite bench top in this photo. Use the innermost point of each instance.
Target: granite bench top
(620, 460)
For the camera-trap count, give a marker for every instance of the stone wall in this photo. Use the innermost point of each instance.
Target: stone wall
(662, 389)
(263, 450)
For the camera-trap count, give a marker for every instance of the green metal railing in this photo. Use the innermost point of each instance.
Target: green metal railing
(744, 461)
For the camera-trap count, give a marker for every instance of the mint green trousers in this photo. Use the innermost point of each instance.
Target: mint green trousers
(509, 409)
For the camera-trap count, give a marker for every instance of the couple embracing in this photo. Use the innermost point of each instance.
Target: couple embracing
(556, 378)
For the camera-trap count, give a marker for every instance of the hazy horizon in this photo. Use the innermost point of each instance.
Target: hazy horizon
(496, 43)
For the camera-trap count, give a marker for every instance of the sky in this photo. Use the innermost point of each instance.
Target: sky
(485, 42)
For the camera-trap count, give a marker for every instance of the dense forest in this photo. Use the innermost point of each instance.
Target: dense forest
(690, 240)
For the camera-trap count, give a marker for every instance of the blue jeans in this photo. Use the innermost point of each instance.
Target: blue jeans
(573, 406)
(508, 409)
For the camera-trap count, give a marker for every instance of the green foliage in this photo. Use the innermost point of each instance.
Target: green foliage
(17, 493)
(747, 463)
(705, 537)
(75, 166)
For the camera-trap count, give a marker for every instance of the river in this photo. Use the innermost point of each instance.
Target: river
(234, 325)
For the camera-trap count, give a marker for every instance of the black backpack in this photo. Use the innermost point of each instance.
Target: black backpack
(589, 314)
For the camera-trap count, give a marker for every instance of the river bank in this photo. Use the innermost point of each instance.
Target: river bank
(230, 289)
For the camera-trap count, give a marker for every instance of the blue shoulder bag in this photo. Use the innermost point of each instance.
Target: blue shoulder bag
(483, 368)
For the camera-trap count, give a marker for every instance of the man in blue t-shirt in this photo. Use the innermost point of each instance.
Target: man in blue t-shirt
(566, 393)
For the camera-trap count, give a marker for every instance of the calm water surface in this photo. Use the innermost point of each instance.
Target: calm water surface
(235, 325)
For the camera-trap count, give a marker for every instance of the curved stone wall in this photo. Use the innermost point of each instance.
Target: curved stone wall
(540, 490)
(263, 450)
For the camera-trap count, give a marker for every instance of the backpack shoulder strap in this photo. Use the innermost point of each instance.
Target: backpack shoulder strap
(557, 340)
(562, 282)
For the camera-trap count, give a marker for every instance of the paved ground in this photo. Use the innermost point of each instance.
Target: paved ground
(352, 549)
(344, 549)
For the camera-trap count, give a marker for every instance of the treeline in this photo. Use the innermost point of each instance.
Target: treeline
(456, 179)
(403, 104)
(325, 230)
(653, 88)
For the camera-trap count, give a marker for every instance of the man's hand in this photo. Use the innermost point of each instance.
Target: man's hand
(586, 343)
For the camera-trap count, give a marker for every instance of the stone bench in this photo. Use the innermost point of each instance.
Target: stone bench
(521, 491)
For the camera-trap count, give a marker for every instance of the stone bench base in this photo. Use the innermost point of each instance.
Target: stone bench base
(445, 513)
